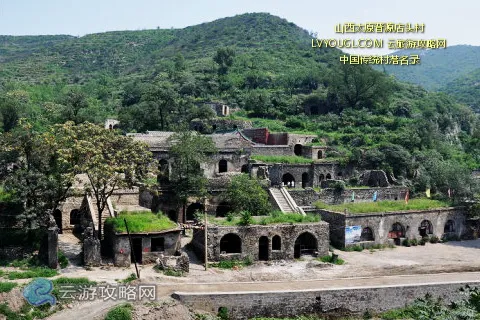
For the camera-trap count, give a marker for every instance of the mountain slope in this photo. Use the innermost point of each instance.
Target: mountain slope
(466, 89)
(438, 67)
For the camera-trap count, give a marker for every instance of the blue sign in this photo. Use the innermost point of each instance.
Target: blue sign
(353, 234)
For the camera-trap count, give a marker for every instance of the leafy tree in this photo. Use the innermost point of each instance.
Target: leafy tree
(224, 57)
(247, 194)
(111, 161)
(43, 170)
(74, 101)
(189, 149)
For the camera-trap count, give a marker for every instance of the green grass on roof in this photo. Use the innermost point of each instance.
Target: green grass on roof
(142, 221)
(282, 159)
(385, 206)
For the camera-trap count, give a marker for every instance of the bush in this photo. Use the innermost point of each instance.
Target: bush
(246, 218)
(422, 242)
(222, 313)
(329, 259)
(121, 312)
(7, 286)
(37, 272)
(406, 242)
(62, 260)
(356, 247)
(434, 239)
(414, 242)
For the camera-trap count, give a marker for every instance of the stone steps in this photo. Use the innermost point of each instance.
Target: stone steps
(280, 200)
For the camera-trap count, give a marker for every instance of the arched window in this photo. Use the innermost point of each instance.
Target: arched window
(222, 166)
(367, 234)
(329, 176)
(321, 177)
(276, 243)
(319, 154)
(230, 243)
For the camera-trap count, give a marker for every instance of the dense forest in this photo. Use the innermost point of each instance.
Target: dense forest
(262, 66)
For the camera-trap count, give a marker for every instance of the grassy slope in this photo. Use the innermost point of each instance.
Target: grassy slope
(384, 206)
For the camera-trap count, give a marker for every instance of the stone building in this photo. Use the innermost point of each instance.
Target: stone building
(259, 242)
(385, 227)
(147, 247)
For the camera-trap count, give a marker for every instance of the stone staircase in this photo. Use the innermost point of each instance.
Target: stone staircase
(92, 208)
(284, 201)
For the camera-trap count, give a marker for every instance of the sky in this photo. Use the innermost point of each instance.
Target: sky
(455, 21)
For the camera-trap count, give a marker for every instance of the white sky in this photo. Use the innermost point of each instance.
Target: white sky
(455, 21)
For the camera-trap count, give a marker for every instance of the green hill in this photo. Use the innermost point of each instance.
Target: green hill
(265, 68)
(438, 67)
(466, 89)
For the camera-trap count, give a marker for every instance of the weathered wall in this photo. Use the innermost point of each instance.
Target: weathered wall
(121, 250)
(66, 207)
(337, 302)
(235, 161)
(266, 150)
(250, 236)
(308, 197)
(125, 197)
(382, 223)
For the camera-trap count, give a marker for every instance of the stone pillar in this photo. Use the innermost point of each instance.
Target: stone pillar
(52, 247)
(91, 248)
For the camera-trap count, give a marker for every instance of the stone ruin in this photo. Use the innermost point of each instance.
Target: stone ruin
(375, 178)
(179, 263)
(91, 248)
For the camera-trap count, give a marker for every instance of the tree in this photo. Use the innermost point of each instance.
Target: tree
(359, 86)
(224, 57)
(188, 150)
(74, 101)
(247, 194)
(43, 170)
(111, 161)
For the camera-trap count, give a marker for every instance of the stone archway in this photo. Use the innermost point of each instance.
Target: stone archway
(305, 180)
(222, 166)
(306, 243)
(288, 180)
(231, 243)
(367, 234)
(297, 149)
(397, 232)
(425, 228)
(191, 209)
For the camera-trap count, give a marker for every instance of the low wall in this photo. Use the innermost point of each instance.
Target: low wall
(335, 302)
(309, 196)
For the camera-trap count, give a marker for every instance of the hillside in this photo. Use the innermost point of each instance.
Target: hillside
(438, 67)
(466, 89)
(264, 67)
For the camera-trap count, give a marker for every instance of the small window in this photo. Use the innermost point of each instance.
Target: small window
(158, 244)
(222, 166)
(276, 243)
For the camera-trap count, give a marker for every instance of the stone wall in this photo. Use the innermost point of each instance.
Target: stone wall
(250, 236)
(321, 302)
(381, 224)
(66, 207)
(125, 197)
(279, 150)
(309, 196)
(336, 225)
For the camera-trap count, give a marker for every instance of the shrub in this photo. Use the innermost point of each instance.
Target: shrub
(434, 239)
(37, 272)
(173, 273)
(414, 242)
(246, 218)
(329, 259)
(130, 278)
(7, 286)
(422, 242)
(222, 313)
(406, 242)
(121, 312)
(62, 260)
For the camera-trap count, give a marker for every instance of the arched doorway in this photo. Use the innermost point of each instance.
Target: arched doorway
(263, 248)
(75, 217)
(223, 209)
(222, 166)
(244, 168)
(306, 243)
(367, 234)
(57, 215)
(449, 227)
(304, 180)
(329, 176)
(276, 243)
(425, 228)
(319, 154)
(163, 171)
(230, 243)
(191, 209)
(321, 177)
(397, 232)
(297, 149)
(288, 180)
